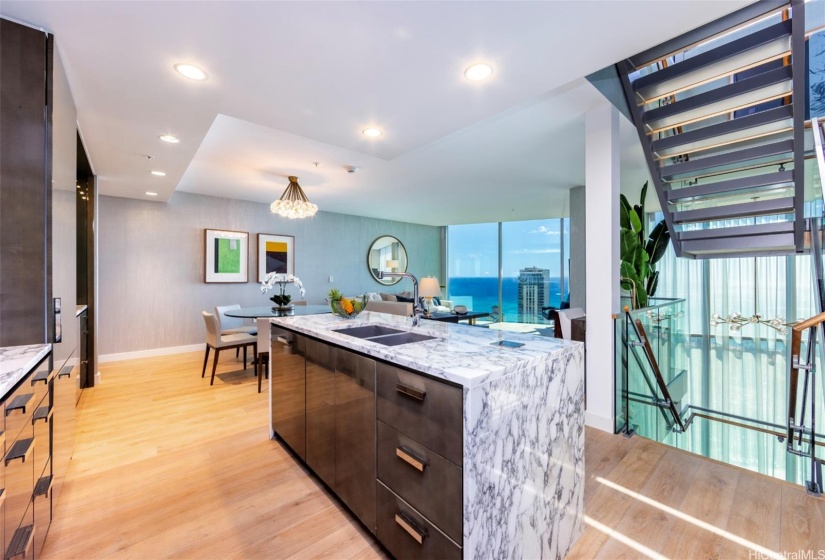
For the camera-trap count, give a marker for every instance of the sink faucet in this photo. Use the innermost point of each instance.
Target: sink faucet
(418, 311)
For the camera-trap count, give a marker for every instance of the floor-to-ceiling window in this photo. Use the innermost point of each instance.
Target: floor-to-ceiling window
(512, 270)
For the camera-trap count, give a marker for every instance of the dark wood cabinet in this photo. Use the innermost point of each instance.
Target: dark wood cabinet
(25, 185)
(289, 392)
(355, 433)
(320, 410)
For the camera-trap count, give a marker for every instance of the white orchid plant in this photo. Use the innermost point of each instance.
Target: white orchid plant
(281, 299)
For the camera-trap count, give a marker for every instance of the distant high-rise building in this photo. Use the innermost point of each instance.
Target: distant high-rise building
(533, 292)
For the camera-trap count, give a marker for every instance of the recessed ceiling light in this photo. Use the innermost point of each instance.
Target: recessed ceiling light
(150, 193)
(159, 173)
(191, 72)
(169, 138)
(372, 132)
(478, 72)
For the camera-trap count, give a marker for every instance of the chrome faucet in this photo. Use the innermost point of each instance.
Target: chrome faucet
(418, 311)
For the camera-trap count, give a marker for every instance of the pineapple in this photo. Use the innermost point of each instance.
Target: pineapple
(334, 295)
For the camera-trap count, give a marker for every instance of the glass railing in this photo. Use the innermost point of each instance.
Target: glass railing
(651, 382)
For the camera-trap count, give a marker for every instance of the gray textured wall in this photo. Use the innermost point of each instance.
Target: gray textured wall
(151, 263)
(577, 248)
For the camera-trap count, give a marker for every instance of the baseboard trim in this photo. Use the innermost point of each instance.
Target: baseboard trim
(103, 358)
(602, 423)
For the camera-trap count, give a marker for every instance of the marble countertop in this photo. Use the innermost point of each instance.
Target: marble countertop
(17, 361)
(461, 354)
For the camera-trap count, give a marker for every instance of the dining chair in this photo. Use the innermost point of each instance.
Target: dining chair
(232, 325)
(218, 341)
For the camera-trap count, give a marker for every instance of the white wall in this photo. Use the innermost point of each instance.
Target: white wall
(64, 216)
(151, 263)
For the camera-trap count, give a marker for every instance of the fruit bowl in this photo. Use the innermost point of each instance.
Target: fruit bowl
(348, 307)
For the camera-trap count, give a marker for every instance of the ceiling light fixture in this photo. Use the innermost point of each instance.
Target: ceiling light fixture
(150, 193)
(478, 72)
(169, 138)
(191, 72)
(294, 204)
(159, 173)
(372, 132)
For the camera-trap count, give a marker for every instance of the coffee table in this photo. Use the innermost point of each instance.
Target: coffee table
(470, 317)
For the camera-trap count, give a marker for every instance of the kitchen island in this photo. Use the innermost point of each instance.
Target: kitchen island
(446, 447)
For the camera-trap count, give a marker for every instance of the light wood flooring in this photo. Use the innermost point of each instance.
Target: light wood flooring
(166, 466)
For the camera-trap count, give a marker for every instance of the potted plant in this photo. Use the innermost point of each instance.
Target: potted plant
(640, 252)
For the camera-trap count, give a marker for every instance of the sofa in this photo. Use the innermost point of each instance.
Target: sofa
(389, 303)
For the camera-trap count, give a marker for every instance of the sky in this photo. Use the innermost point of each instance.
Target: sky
(473, 249)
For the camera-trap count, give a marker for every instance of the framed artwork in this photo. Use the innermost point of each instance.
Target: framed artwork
(227, 256)
(276, 253)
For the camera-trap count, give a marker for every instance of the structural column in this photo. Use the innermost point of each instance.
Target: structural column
(601, 260)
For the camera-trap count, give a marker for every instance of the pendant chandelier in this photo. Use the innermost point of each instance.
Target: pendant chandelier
(294, 204)
(736, 320)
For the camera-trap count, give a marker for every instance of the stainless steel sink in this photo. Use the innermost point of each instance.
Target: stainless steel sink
(387, 336)
(401, 338)
(369, 331)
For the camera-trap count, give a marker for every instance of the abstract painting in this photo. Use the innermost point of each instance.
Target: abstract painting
(276, 253)
(227, 256)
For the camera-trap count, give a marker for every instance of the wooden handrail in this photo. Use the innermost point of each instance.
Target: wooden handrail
(640, 330)
(808, 323)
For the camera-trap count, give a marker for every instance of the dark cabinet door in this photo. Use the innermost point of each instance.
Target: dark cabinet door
(320, 415)
(25, 185)
(355, 434)
(289, 393)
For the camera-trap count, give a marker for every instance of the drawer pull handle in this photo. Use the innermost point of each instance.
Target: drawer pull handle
(409, 456)
(22, 449)
(412, 392)
(19, 403)
(65, 372)
(412, 528)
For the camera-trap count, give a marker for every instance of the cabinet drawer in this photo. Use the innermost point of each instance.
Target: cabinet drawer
(428, 411)
(407, 534)
(42, 423)
(18, 410)
(19, 480)
(424, 479)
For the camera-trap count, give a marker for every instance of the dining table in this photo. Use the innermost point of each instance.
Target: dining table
(267, 311)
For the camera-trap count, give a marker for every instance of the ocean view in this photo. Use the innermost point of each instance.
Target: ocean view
(481, 294)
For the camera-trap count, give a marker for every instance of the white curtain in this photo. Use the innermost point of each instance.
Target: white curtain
(741, 373)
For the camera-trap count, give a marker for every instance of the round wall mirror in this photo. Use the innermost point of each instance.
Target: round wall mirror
(387, 254)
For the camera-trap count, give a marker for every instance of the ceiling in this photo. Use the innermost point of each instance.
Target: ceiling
(293, 83)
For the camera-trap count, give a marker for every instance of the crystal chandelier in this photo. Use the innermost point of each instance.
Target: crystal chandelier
(736, 320)
(294, 204)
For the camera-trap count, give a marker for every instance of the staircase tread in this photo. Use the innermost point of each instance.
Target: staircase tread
(756, 152)
(722, 128)
(754, 83)
(712, 190)
(717, 54)
(736, 211)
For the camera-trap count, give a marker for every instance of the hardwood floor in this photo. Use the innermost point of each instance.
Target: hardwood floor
(166, 466)
(646, 500)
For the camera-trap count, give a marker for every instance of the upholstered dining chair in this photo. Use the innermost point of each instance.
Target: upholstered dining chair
(232, 325)
(214, 339)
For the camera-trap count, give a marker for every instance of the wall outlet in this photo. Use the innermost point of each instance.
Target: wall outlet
(330, 279)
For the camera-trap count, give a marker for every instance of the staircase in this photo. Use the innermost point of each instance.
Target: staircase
(720, 112)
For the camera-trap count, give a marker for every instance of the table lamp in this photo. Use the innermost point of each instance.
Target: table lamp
(428, 288)
(393, 265)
